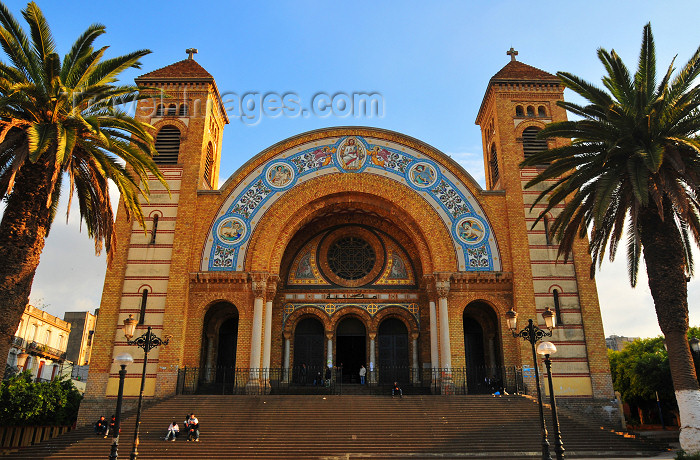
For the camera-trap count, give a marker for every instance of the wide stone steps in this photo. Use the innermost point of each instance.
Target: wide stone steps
(349, 426)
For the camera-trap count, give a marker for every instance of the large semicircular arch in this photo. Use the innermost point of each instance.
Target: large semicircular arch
(431, 175)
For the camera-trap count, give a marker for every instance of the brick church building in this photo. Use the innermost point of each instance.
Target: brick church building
(351, 245)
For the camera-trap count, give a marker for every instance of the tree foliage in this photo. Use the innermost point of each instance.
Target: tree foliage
(642, 369)
(25, 402)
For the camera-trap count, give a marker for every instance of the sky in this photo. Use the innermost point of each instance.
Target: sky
(430, 62)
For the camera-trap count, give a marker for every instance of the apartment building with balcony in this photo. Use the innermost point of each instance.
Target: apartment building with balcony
(39, 344)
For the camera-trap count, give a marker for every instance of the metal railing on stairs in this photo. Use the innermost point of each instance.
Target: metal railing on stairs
(379, 380)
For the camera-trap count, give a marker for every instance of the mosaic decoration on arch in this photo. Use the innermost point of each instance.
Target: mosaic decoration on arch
(350, 155)
(332, 308)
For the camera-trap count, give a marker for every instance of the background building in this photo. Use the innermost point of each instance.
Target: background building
(80, 339)
(39, 344)
(618, 343)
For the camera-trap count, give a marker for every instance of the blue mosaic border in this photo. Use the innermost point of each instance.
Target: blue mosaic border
(224, 255)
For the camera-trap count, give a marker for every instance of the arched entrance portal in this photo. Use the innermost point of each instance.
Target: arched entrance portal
(351, 352)
(308, 350)
(484, 365)
(393, 351)
(219, 342)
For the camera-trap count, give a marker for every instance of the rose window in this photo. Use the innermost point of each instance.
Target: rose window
(351, 258)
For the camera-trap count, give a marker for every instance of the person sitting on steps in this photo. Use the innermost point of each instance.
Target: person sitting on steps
(193, 428)
(396, 389)
(173, 432)
(101, 426)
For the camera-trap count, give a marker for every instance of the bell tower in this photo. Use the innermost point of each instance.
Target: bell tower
(150, 268)
(186, 111)
(520, 101)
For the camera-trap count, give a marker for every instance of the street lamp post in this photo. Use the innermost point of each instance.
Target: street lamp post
(695, 350)
(546, 349)
(147, 341)
(122, 360)
(532, 334)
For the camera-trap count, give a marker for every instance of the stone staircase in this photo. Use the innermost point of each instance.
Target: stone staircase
(348, 426)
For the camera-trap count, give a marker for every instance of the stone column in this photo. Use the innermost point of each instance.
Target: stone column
(442, 288)
(415, 364)
(267, 342)
(329, 354)
(258, 284)
(287, 337)
(434, 358)
(372, 362)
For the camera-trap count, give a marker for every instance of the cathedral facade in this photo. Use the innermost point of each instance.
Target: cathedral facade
(350, 245)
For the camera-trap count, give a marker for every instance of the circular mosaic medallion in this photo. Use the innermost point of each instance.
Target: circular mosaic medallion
(351, 154)
(279, 175)
(470, 230)
(231, 230)
(422, 174)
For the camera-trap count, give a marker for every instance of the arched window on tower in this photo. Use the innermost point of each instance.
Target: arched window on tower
(541, 111)
(530, 111)
(557, 307)
(172, 110)
(532, 145)
(493, 163)
(519, 111)
(184, 110)
(154, 229)
(144, 302)
(167, 145)
(209, 164)
(159, 110)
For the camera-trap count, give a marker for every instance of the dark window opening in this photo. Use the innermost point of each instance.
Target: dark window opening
(159, 110)
(530, 111)
(493, 161)
(154, 229)
(184, 111)
(209, 164)
(519, 111)
(557, 309)
(144, 301)
(531, 144)
(167, 145)
(172, 110)
(541, 112)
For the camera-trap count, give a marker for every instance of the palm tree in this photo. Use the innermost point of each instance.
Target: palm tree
(634, 165)
(60, 121)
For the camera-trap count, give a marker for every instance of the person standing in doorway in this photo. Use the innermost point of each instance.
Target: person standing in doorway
(363, 372)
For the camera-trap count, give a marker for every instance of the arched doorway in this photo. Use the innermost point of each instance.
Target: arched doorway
(392, 360)
(482, 357)
(308, 350)
(219, 342)
(351, 351)
(228, 343)
(473, 343)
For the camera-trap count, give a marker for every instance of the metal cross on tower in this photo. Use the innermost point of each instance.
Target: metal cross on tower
(193, 51)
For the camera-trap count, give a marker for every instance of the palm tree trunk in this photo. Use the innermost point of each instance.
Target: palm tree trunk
(664, 257)
(23, 229)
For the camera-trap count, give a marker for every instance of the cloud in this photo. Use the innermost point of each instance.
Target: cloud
(473, 163)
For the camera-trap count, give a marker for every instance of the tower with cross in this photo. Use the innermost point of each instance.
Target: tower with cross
(520, 100)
